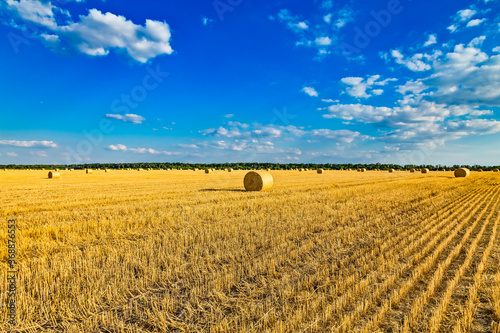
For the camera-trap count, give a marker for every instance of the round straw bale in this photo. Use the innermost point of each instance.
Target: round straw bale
(107, 170)
(391, 170)
(88, 170)
(480, 170)
(362, 169)
(496, 170)
(54, 174)
(258, 181)
(462, 172)
(268, 169)
(229, 170)
(320, 171)
(412, 170)
(208, 170)
(425, 170)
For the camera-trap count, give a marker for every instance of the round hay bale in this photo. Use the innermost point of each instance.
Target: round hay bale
(258, 181)
(54, 174)
(362, 169)
(268, 169)
(462, 172)
(320, 171)
(88, 171)
(208, 170)
(480, 170)
(412, 170)
(425, 170)
(107, 170)
(229, 170)
(391, 170)
(496, 170)
(302, 169)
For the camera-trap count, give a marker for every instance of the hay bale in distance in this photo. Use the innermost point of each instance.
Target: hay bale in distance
(480, 170)
(320, 171)
(258, 181)
(208, 170)
(425, 170)
(229, 170)
(107, 170)
(54, 174)
(88, 171)
(496, 170)
(462, 172)
(362, 170)
(412, 170)
(391, 170)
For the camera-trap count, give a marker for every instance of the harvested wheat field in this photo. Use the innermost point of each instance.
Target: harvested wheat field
(182, 252)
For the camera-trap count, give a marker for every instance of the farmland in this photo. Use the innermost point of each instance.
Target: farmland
(185, 251)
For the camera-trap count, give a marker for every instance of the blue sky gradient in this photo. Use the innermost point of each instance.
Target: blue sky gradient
(407, 82)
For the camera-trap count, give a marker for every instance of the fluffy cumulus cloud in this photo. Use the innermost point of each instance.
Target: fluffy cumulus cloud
(415, 63)
(452, 95)
(28, 144)
(132, 118)
(96, 33)
(310, 91)
(363, 88)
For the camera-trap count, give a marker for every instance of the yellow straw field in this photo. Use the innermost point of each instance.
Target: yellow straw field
(184, 251)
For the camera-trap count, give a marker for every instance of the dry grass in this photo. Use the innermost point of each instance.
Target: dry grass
(348, 251)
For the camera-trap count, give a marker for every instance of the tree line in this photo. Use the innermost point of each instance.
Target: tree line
(242, 166)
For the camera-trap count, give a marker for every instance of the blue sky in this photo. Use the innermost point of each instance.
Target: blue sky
(407, 82)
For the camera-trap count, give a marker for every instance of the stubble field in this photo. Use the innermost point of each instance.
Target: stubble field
(184, 251)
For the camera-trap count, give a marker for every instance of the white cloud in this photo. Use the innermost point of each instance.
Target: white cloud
(496, 49)
(474, 23)
(466, 14)
(123, 148)
(34, 11)
(452, 28)
(432, 40)
(478, 41)
(338, 135)
(302, 25)
(323, 41)
(133, 118)
(229, 115)
(206, 21)
(187, 146)
(310, 91)
(358, 86)
(414, 63)
(12, 154)
(28, 144)
(97, 33)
